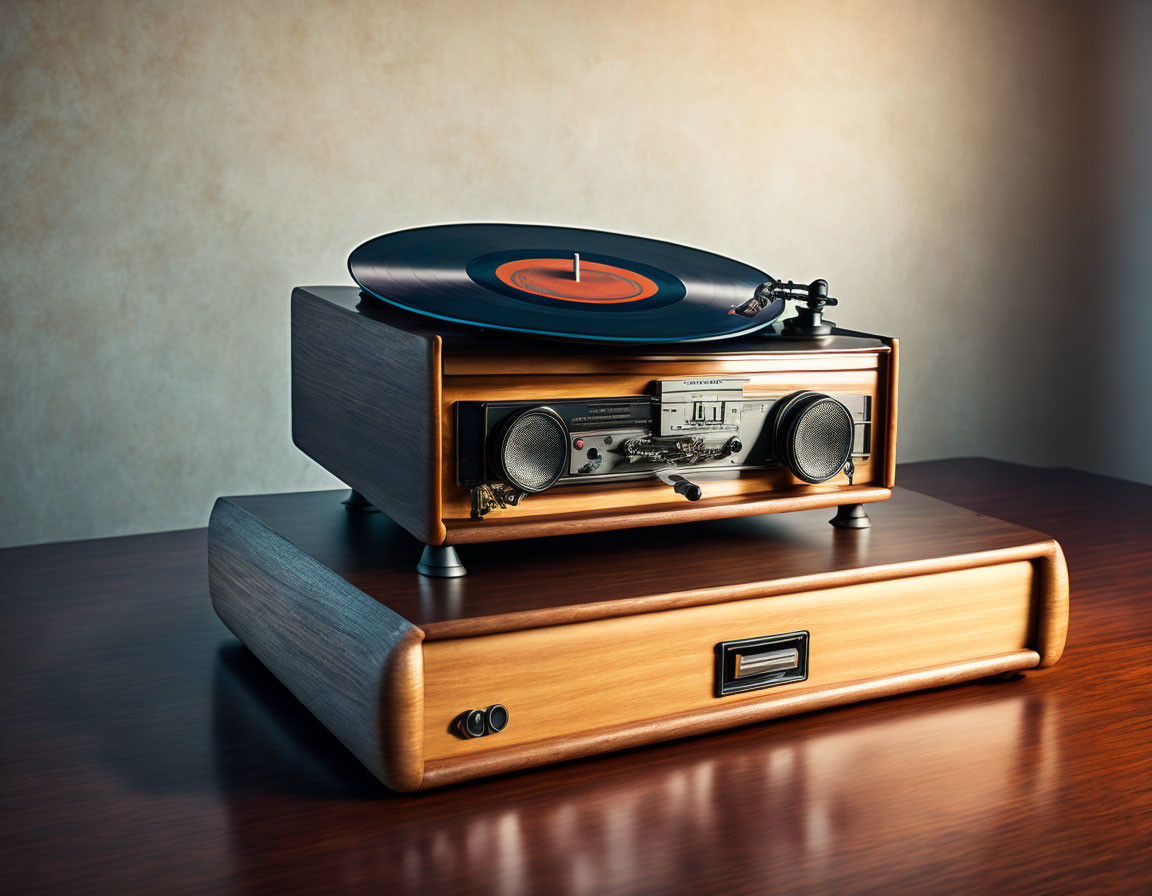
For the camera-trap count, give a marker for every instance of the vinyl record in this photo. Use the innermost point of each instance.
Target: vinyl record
(561, 281)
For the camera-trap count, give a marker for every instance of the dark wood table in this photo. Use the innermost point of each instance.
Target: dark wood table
(144, 750)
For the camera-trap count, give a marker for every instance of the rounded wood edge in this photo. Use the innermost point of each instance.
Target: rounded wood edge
(402, 702)
(892, 392)
(212, 535)
(1053, 628)
(436, 518)
(487, 625)
(468, 532)
(438, 773)
(583, 362)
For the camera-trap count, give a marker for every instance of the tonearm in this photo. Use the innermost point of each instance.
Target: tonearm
(809, 320)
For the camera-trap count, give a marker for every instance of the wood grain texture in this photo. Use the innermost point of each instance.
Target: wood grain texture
(444, 771)
(889, 412)
(518, 585)
(142, 744)
(1052, 630)
(348, 658)
(365, 403)
(650, 664)
(469, 356)
(657, 505)
(718, 360)
(569, 681)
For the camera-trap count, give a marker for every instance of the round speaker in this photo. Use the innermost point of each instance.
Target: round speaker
(812, 435)
(531, 451)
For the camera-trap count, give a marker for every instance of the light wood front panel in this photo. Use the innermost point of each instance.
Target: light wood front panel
(648, 494)
(659, 366)
(568, 681)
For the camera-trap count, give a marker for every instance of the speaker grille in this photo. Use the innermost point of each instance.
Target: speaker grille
(534, 450)
(814, 436)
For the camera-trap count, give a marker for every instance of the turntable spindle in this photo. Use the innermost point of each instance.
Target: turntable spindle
(576, 266)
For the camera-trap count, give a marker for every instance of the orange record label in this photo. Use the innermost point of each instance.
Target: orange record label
(599, 284)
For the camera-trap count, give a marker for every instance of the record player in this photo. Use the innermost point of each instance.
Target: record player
(489, 383)
(492, 381)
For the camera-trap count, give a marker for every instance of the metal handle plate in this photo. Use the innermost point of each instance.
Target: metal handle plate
(759, 663)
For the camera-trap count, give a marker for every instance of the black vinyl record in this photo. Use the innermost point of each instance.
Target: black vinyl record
(561, 281)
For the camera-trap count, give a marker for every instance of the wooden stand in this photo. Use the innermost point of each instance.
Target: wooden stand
(610, 640)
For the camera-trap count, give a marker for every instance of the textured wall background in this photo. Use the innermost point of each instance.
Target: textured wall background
(1117, 382)
(171, 170)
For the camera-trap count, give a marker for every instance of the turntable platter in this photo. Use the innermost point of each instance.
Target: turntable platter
(562, 281)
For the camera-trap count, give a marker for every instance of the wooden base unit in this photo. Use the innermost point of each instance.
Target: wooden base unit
(613, 640)
(376, 392)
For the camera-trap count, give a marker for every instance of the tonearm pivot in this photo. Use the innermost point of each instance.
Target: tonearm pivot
(809, 320)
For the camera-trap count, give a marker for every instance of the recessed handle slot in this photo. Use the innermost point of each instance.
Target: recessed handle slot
(753, 663)
(749, 664)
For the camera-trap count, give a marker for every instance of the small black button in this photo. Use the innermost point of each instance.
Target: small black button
(497, 717)
(593, 453)
(473, 723)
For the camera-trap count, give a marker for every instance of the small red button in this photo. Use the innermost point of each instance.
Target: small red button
(579, 443)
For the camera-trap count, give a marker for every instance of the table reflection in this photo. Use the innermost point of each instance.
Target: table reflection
(801, 802)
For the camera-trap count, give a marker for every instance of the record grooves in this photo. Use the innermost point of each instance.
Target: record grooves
(560, 281)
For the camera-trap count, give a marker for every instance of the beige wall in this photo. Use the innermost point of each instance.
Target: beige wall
(1114, 386)
(171, 170)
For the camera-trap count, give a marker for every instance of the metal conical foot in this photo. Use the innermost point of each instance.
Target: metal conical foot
(358, 503)
(851, 516)
(440, 562)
